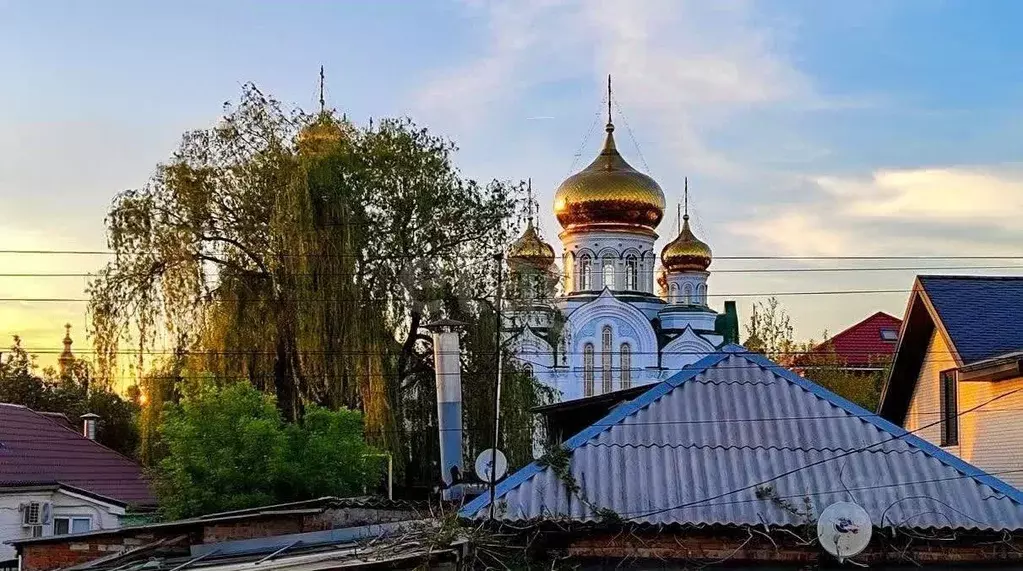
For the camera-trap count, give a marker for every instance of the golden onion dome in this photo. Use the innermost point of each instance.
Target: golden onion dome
(531, 250)
(321, 134)
(609, 193)
(686, 252)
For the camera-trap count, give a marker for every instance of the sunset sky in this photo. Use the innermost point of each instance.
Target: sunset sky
(806, 128)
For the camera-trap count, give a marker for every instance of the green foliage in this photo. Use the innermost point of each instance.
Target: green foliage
(303, 253)
(228, 448)
(769, 331)
(72, 394)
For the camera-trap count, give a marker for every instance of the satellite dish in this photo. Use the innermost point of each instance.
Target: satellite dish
(484, 466)
(844, 530)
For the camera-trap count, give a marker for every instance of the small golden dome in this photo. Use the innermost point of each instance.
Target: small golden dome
(321, 134)
(531, 250)
(609, 192)
(686, 252)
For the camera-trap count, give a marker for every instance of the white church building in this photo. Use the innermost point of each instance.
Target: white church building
(615, 314)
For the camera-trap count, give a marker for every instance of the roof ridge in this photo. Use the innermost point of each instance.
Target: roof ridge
(855, 325)
(969, 277)
(86, 439)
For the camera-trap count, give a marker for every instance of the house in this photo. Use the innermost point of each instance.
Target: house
(312, 534)
(733, 457)
(957, 377)
(55, 480)
(865, 347)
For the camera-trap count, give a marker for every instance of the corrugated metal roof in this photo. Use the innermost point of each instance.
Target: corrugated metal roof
(692, 450)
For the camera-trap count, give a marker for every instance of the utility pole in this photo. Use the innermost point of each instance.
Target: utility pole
(499, 258)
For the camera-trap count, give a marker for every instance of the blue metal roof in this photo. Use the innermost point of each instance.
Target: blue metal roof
(701, 447)
(983, 315)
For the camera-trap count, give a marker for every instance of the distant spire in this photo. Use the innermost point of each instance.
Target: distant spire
(323, 103)
(67, 358)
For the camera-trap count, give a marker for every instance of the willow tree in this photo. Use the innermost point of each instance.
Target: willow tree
(300, 252)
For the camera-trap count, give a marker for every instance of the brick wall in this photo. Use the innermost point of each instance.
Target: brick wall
(740, 547)
(54, 555)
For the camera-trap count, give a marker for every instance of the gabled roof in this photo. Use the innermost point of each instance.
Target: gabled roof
(702, 447)
(862, 344)
(35, 449)
(983, 315)
(979, 317)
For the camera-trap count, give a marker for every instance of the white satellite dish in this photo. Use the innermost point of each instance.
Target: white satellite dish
(484, 466)
(844, 530)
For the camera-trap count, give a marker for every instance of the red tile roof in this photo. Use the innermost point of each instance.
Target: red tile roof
(862, 345)
(35, 449)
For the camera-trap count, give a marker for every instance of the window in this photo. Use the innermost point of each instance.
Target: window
(701, 293)
(673, 293)
(889, 335)
(609, 273)
(585, 266)
(605, 360)
(949, 409)
(630, 272)
(588, 370)
(66, 525)
(687, 293)
(528, 368)
(626, 359)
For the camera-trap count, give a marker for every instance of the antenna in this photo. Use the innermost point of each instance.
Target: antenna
(844, 529)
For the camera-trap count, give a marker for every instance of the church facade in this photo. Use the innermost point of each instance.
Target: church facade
(615, 314)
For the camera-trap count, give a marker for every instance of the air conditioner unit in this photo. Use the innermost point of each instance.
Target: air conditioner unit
(36, 513)
(31, 514)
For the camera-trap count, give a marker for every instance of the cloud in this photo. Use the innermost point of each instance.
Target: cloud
(683, 68)
(963, 210)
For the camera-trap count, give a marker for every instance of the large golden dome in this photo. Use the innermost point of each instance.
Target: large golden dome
(531, 250)
(609, 193)
(686, 252)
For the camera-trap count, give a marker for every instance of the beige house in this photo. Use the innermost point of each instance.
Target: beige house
(957, 376)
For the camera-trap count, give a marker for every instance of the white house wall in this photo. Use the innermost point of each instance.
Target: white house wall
(101, 515)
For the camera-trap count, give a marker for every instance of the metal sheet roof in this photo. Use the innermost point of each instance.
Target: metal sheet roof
(732, 438)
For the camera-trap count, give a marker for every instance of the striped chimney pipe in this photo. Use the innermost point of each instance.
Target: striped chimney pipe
(447, 365)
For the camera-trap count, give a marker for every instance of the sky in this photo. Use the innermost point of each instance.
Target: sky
(805, 128)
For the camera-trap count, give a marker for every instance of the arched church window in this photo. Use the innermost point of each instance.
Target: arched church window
(626, 359)
(673, 293)
(585, 266)
(687, 293)
(528, 368)
(630, 272)
(588, 370)
(608, 271)
(702, 294)
(605, 359)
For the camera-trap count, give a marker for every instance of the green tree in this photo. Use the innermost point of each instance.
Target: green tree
(228, 448)
(300, 252)
(72, 394)
(769, 331)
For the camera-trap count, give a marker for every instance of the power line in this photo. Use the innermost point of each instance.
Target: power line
(621, 272)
